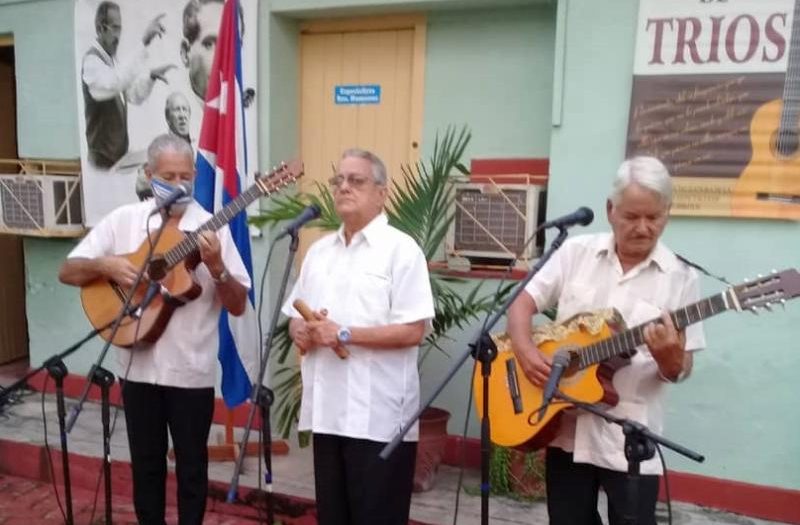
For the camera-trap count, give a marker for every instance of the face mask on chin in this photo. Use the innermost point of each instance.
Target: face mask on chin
(162, 190)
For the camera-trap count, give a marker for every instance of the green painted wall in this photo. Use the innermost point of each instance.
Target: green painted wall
(739, 408)
(47, 121)
(491, 70)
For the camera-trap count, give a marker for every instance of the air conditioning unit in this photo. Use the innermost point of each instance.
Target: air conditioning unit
(41, 205)
(493, 223)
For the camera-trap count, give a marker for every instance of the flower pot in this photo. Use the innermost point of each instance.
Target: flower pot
(430, 450)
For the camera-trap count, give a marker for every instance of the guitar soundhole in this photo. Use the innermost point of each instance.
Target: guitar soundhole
(157, 269)
(786, 142)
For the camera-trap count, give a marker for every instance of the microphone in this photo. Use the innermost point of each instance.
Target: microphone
(152, 291)
(181, 190)
(583, 216)
(560, 363)
(308, 214)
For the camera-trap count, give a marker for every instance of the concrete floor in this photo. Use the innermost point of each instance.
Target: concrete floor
(293, 473)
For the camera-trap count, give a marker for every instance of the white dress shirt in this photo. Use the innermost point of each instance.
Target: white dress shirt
(185, 355)
(586, 275)
(381, 278)
(130, 80)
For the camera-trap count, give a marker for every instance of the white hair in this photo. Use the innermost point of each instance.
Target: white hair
(168, 142)
(378, 167)
(648, 172)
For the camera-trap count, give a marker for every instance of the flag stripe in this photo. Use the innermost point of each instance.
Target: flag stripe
(221, 164)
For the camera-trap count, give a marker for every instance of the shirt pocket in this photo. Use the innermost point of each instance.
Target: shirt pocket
(370, 298)
(577, 298)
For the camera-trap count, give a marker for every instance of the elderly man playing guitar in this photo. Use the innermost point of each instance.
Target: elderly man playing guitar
(169, 381)
(630, 271)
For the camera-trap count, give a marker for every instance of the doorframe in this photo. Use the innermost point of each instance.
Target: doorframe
(415, 21)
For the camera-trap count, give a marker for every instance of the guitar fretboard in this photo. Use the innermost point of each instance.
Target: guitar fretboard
(189, 243)
(624, 342)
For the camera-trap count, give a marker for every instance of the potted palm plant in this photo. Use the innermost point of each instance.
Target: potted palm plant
(421, 205)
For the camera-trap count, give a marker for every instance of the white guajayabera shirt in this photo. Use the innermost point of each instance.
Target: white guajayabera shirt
(586, 275)
(380, 279)
(186, 353)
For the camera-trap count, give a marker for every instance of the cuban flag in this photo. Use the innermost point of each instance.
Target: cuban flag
(221, 174)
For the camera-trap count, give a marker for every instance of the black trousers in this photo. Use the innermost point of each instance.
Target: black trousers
(356, 487)
(151, 410)
(572, 490)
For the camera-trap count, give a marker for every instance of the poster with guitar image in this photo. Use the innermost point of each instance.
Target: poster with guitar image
(716, 97)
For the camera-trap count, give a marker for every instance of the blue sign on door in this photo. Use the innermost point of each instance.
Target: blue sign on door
(357, 94)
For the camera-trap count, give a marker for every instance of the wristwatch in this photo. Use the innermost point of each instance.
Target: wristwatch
(344, 335)
(223, 277)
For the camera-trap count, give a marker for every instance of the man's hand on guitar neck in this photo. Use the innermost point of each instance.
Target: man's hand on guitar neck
(211, 252)
(668, 347)
(230, 291)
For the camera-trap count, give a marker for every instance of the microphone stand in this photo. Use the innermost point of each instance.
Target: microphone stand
(482, 349)
(104, 378)
(57, 370)
(639, 446)
(52, 360)
(262, 396)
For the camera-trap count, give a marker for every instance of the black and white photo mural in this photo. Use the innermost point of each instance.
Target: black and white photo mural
(142, 70)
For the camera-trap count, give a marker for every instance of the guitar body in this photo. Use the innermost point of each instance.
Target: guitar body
(768, 171)
(590, 385)
(174, 258)
(103, 299)
(597, 344)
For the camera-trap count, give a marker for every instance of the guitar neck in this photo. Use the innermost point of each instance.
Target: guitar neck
(188, 245)
(791, 85)
(625, 342)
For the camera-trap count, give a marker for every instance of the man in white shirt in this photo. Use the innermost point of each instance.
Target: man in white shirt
(632, 271)
(369, 287)
(109, 86)
(168, 385)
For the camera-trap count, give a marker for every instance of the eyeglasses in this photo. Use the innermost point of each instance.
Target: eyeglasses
(353, 181)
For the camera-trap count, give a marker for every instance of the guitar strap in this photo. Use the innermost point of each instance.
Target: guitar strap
(702, 270)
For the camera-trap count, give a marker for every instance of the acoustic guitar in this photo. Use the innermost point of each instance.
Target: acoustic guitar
(769, 186)
(175, 257)
(597, 349)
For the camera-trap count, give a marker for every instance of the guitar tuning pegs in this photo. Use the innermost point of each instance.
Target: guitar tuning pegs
(759, 276)
(753, 310)
(767, 307)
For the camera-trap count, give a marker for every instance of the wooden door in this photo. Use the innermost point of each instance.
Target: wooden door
(387, 52)
(13, 320)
